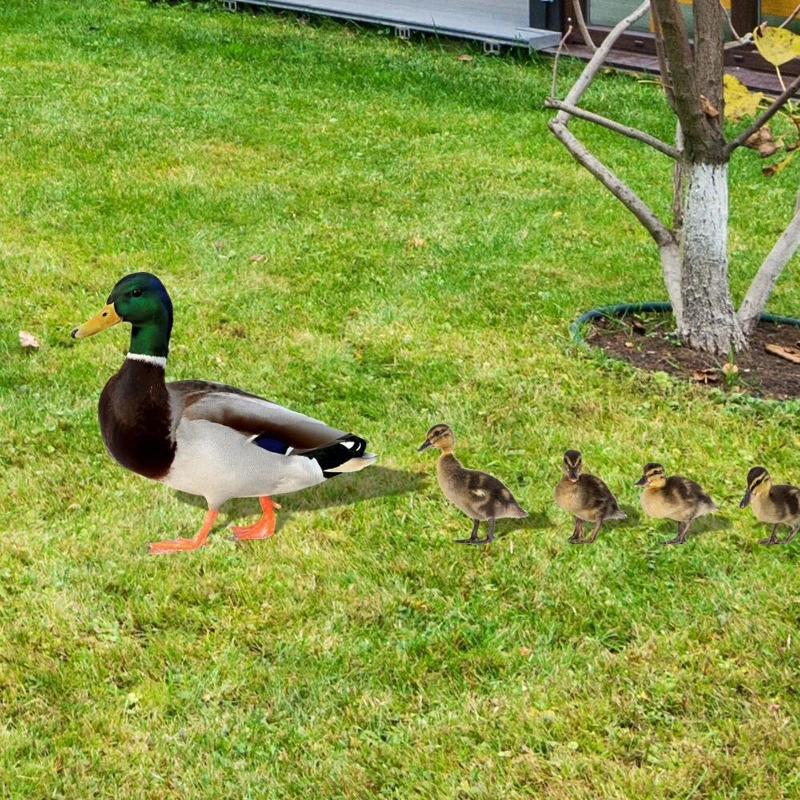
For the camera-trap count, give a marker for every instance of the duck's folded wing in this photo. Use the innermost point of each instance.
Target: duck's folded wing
(248, 414)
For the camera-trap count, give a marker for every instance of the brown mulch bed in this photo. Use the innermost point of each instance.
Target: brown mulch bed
(643, 340)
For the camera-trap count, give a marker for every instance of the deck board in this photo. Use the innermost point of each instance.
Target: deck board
(499, 21)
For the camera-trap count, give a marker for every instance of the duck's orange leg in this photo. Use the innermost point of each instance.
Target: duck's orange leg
(265, 526)
(176, 545)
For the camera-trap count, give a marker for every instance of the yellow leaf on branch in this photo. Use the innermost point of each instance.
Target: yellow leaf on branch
(739, 100)
(777, 45)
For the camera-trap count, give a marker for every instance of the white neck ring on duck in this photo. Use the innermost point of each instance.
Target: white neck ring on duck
(158, 361)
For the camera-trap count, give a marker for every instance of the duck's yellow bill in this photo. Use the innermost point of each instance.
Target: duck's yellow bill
(105, 319)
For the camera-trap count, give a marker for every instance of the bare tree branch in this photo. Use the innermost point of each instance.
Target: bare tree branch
(576, 5)
(704, 140)
(709, 62)
(663, 67)
(596, 61)
(632, 133)
(746, 39)
(554, 87)
(755, 301)
(613, 183)
(790, 18)
(730, 21)
(781, 101)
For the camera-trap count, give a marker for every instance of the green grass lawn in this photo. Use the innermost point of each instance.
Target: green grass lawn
(383, 236)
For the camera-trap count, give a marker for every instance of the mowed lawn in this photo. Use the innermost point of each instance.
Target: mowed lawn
(383, 236)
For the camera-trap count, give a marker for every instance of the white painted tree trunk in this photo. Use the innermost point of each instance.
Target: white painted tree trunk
(671, 270)
(755, 301)
(708, 319)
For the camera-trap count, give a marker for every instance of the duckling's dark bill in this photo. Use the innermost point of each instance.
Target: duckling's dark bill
(424, 446)
(104, 319)
(745, 500)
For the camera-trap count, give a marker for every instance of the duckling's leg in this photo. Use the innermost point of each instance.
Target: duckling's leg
(577, 532)
(791, 535)
(681, 537)
(473, 537)
(176, 545)
(592, 535)
(265, 526)
(489, 533)
(773, 539)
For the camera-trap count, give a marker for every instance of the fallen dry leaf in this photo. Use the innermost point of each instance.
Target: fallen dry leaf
(708, 108)
(789, 353)
(730, 369)
(416, 241)
(525, 651)
(28, 340)
(219, 244)
(465, 57)
(773, 169)
(705, 375)
(629, 344)
(762, 141)
(257, 257)
(637, 325)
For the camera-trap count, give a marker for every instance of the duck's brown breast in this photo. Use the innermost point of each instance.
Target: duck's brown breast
(135, 419)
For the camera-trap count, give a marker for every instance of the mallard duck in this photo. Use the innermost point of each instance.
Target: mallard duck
(586, 497)
(205, 438)
(776, 504)
(479, 495)
(675, 498)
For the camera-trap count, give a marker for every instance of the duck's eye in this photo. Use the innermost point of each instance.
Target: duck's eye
(136, 293)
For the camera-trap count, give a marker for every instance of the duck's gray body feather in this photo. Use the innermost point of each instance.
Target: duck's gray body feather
(214, 427)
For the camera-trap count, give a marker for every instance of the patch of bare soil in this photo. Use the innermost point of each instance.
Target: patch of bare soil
(644, 340)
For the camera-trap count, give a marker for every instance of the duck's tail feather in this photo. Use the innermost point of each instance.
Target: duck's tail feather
(353, 464)
(347, 454)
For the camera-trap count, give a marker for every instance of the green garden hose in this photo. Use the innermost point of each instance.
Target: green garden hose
(623, 309)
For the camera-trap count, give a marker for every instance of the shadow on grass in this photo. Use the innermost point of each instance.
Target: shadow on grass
(536, 521)
(343, 490)
(709, 523)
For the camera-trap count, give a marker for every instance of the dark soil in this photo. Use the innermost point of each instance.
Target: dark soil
(644, 340)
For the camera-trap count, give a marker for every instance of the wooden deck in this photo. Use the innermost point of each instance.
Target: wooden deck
(502, 22)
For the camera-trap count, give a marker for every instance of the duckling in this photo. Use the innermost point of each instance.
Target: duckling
(479, 495)
(775, 504)
(675, 498)
(586, 497)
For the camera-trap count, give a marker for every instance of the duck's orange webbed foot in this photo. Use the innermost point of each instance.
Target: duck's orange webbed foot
(262, 529)
(177, 545)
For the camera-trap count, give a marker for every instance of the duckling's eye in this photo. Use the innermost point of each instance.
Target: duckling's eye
(136, 293)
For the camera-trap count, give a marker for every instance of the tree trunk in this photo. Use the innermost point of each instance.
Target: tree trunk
(693, 253)
(708, 321)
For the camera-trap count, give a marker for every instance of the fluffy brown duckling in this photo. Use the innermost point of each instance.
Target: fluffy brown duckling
(586, 497)
(777, 504)
(479, 495)
(675, 498)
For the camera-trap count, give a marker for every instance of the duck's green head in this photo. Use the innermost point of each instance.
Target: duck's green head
(141, 299)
